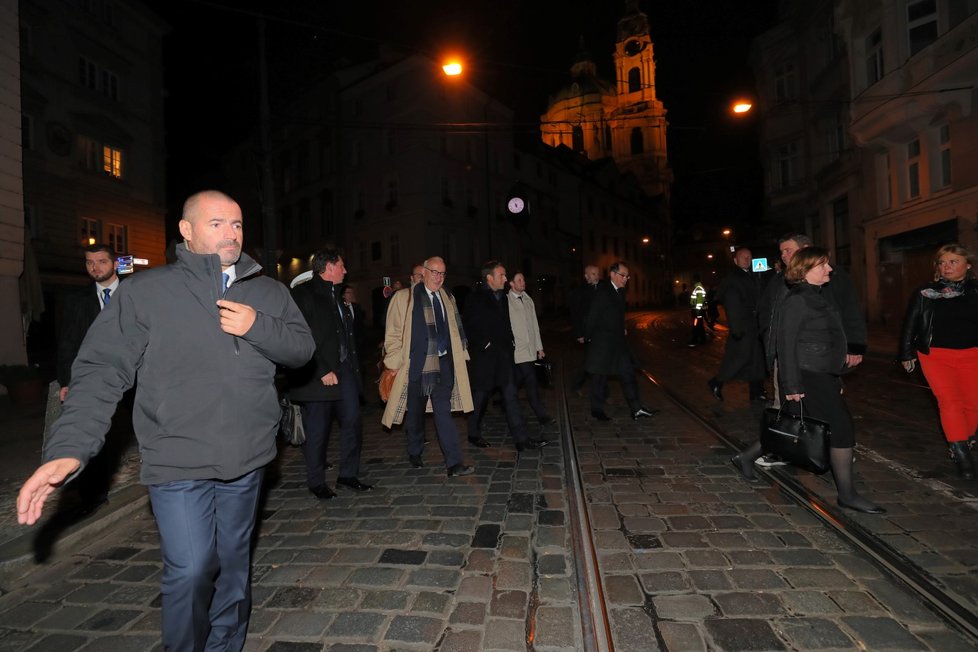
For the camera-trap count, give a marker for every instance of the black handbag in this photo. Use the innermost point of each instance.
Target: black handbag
(798, 440)
(290, 427)
(545, 372)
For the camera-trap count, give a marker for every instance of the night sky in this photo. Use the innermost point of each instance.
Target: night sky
(519, 51)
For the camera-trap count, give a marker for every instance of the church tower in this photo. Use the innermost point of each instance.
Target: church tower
(638, 119)
(624, 120)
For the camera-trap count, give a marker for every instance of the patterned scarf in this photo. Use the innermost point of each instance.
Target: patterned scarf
(948, 290)
(431, 372)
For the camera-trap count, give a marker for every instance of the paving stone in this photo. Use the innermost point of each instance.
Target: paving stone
(502, 634)
(632, 630)
(480, 561)
(337, 599)
(295, 646)
(414, 629)
(882, 634)
(515, 547)
(903, 605)
(815, 634)
(286, 575)
(643, 524)
(412, 557)
(451, 558)
(293, 597)
(743, 634)
(429, 602)
(513, 575)
(682, 636)
(800, 557)
(808, 603)
(708, 580)
(556, 590)
(550, 517)
(376, 576)
(23, 615)
(59, 642)
(135, 595)
(359, 624)
(486, 536)
(90, 593)
(123, 644)
(552, 565)
(110, 620)
(434, 577)
(300, 624)
(643, 541)
(476, 588)
(748, 604)
(468, 613)
(757, 578)
(446, 540)
(683, 607)
(556, 627)
(384, 600)
(742, 558)
(508, 604)
(825, 578)
(466, 641)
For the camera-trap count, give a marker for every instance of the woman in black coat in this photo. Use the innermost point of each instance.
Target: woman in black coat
(941, 330)
(811, 349)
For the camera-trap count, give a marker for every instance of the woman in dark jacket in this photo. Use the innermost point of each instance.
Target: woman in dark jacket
(941, 330)
(811, 348)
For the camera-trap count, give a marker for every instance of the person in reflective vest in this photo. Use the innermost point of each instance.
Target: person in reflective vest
(697, 308)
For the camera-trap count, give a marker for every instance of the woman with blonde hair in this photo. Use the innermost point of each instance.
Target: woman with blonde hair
(811, 349)
(941, 330)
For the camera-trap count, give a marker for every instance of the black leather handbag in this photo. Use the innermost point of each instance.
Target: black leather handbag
(798, 440)
(290, 427)
(545, 372)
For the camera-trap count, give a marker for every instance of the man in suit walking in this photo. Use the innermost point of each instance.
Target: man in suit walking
(607, 350)
(580, 303)
(77, 315)
(492, 353)
(330, 382)
(425, 342)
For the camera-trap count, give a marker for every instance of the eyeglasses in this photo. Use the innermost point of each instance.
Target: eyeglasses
(624, 276)
(435, 272)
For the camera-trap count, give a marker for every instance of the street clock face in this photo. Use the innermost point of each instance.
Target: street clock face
(516, 205)
(633, 47)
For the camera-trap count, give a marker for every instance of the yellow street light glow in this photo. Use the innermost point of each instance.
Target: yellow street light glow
(709, 256)
(725, 232)
(645, 240)
(742, 106)
(452, 68)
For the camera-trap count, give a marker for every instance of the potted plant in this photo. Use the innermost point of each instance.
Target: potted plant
(24, 383)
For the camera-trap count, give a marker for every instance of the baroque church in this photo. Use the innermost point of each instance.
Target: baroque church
(621, 120)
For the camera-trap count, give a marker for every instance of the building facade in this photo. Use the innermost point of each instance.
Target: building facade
(12, 348)
(94, 157)
(868, 135)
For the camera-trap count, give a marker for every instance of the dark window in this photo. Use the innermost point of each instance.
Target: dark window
(578, 139)
(638, 145)
(634, 80)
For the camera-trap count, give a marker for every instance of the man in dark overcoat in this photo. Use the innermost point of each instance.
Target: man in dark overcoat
(491, 363)
(330, 383)
(607, 346)
(743, 357)
(580, 303)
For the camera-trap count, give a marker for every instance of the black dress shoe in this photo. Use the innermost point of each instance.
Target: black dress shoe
(600, 415)
(716, 388)
(746, 472)
(643, 412)
(532, 444)
(353, 483)
(872, 509)
(460, 469)
(480, 442)
(322, 492)
(416, 461)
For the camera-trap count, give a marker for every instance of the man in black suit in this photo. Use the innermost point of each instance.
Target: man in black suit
(607, 348)
(330, 382)
(491, 362)
(580, 303)
(79, 311)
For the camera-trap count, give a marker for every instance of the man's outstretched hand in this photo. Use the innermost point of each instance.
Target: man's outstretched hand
(47, 478)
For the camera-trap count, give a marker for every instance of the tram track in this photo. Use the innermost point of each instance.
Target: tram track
(928, 589)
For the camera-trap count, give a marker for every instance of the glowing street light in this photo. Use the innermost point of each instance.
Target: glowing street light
(741, 106)
(452, 68)
(646, 240)
(726, 233)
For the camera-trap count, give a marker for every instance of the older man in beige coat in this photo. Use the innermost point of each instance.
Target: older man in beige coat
(425, 342)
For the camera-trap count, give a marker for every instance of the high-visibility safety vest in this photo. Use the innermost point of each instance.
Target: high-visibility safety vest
(697, 297)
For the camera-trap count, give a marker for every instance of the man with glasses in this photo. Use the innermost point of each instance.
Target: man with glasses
(425, 342)
(607, 346)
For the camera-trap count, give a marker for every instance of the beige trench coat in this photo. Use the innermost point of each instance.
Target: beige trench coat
(397, 355)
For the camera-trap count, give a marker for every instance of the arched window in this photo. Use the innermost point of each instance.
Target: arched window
(577, 139)
(607, 137)
(638, 145)
(634, 80)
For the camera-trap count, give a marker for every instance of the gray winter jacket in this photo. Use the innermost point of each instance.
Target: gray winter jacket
(206, 406)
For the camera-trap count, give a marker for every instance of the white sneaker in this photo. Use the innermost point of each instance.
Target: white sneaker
(768, 461)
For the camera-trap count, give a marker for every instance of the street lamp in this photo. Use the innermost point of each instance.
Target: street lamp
(741, 106)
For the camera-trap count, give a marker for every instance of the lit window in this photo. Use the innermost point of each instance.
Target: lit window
(112, 161)
(89, 231)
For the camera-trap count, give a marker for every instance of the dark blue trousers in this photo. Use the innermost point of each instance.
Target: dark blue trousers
(514, 414)
(526, 376)
(441, 405)
(205, 540)
(317, 418)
